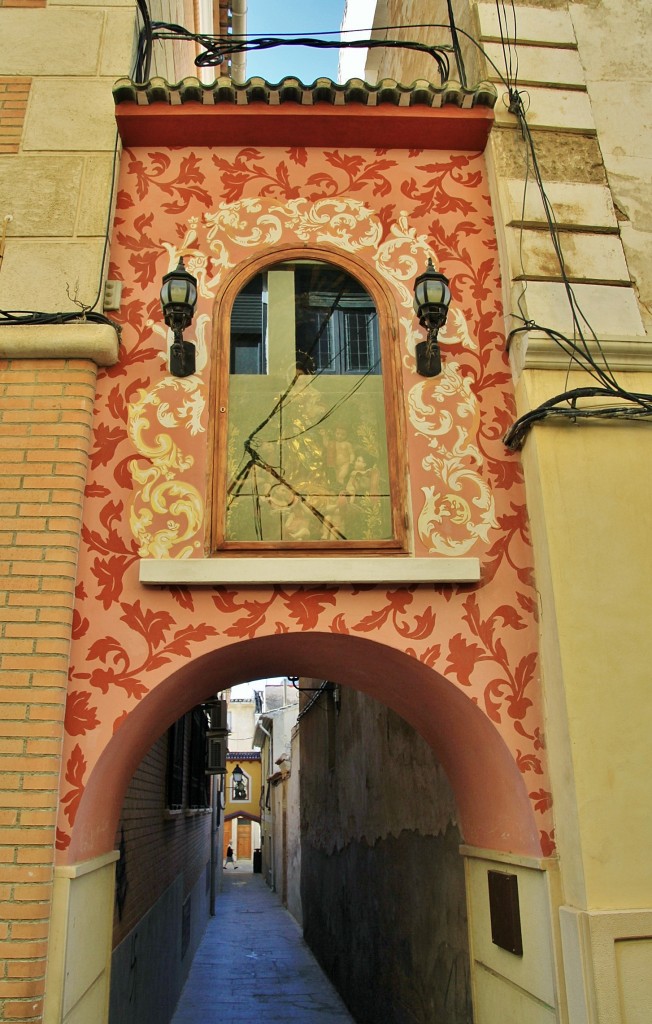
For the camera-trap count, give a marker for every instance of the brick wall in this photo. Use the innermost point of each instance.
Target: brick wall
(45, 424)
(14, 92)
(159, 845)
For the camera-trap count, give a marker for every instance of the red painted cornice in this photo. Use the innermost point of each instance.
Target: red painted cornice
(353, 114)
(261, 125)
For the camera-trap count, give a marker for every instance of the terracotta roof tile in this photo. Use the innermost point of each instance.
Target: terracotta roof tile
(291, 90)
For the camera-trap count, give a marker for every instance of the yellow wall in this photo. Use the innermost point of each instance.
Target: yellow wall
(251, 806)
(589, 502)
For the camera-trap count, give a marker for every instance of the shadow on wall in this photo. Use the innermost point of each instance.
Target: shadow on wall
(382, 883)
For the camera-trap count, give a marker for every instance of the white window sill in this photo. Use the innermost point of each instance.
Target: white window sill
(306, 571)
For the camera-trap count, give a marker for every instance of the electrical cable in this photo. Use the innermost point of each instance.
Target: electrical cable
(303, 689)
(32, 318)
(109, 219)
(143, 61)
(215, 48)
(326, 685)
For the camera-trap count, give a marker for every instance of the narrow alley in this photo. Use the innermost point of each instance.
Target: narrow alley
(253, 964)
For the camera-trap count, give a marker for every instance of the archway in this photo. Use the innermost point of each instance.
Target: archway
(495, 815)
(495, 812)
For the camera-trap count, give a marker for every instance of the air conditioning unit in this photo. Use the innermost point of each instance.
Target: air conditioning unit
(218, 717)
(215, 755)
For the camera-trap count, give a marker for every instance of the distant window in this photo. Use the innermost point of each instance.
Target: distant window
(175, 764)
(198, 780)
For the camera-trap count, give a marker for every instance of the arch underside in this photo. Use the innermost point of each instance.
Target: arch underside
(492, 799)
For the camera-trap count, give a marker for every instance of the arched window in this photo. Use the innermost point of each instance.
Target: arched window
(305, 456)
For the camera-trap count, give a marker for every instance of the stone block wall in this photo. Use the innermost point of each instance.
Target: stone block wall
(571, 75)
(57, 151)
(56, 167)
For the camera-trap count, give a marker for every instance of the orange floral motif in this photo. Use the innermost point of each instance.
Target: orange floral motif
(80, 718)
(433, 195)
(75, 771)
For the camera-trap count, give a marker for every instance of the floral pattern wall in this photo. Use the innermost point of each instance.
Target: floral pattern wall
(146, 494)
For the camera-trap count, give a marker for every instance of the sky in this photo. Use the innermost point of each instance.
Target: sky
(300, 18)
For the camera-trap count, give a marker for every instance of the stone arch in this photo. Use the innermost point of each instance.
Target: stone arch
(242, 814)
(494, 809)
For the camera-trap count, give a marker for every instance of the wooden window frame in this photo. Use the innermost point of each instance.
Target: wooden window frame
(394, 409)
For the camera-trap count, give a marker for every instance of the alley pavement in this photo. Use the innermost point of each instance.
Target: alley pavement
(253, 965)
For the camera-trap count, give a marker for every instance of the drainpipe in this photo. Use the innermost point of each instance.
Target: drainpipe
(238, 28)
(216, 838)
(270, 753)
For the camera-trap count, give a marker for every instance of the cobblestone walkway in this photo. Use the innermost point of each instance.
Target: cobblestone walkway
(253, 967)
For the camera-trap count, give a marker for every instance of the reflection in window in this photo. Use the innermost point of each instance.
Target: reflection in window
(307, 448)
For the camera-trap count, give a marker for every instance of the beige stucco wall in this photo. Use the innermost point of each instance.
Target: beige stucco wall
(509, 988)
(591, 524)
(77, 989)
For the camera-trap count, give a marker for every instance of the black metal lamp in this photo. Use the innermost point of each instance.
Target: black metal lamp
(432, 296)
(178, 301)
(239, 789)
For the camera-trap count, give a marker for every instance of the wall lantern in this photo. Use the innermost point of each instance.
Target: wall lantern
(239, 790)
(178, 300)
(432, 296)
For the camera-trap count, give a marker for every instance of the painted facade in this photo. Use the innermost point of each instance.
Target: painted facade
(155, 474)
(147, 494)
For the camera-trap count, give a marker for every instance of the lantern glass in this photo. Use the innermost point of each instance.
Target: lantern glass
(431, 289)
(179, 288)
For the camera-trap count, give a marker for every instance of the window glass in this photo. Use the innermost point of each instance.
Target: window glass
(307, 445)
(198, 780)
(175, 764)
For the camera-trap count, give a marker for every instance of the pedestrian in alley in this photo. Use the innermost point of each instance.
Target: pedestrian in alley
(229, 858)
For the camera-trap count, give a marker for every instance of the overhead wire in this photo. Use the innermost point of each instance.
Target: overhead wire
(216, 47)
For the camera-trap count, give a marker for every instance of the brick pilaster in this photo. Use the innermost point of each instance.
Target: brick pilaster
(46, 408)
